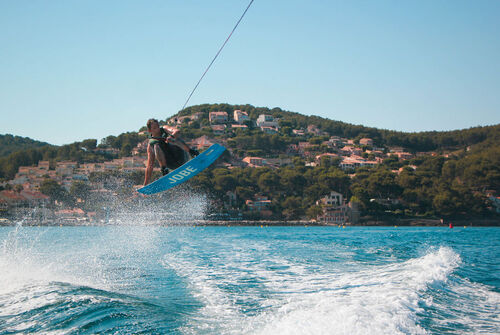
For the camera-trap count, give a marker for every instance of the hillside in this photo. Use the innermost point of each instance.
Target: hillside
(290, 161)
(10, 144)
(413, 142)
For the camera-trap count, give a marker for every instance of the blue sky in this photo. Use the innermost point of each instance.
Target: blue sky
(72, 70)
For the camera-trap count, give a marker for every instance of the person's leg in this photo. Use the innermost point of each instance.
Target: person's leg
(162, 159)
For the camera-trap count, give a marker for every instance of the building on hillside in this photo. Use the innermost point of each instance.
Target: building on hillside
(25, 198)
(4, 206)
(335, 141)
(44, 165)
(202, 142)
(350, 150)
(328, 156)
(65, 168)
(141, 148)
(260, 204)
(255, 161)
(35, 198)
(304, 146)
(376, 153)
(71, 216)
(218, 129)
(351, 163)
(313, 129)
(278, 162)
(239, 126)
(396, 149)
(230, 200)
(334, 209)
(240, 116)
(218, 117)
(88, 168)
(292, 149)
(495, 201)
(298, 132)
(265, 120)
(269, 130)
(366, 141)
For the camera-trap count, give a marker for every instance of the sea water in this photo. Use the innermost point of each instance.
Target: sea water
(249, 280)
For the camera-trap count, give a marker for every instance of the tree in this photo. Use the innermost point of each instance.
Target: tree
(80, 190)
(55, 191)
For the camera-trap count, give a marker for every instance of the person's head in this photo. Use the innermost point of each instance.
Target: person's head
(153, 125)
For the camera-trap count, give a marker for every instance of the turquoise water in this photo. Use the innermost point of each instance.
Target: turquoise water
(249, 280)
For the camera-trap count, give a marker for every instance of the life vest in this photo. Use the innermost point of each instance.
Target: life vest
(174, 155)
(162, 138)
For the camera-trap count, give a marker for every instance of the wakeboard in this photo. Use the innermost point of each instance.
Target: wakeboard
(184, 172)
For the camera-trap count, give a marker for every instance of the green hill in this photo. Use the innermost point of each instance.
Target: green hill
(10, 143)
(449, 173)
(413, 142)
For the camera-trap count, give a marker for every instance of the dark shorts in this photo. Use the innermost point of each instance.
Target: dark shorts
(174, 155)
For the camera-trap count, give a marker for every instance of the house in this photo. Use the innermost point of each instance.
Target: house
(328, 156)
(239, 126)
(240, 116)
(366, 141)
(495, 201)
(332, 199)
(351, 163)
(334, 210)
(277, 162)
(71, 216)
(202, 142)
(349, 150)
(255, 161)
(313, 129)
(302, 146)
(265, 120)
(260, 204)
(217, 117)
(13, 199)
(140, 148)
(292, 149)
(298, 132)
(43, 165)
(335, 141)
(65, 168)
(218, 129)
(35, 198)
(269, 130)
(396, 149)
(230, 199)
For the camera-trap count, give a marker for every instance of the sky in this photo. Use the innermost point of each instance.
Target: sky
(73, 70)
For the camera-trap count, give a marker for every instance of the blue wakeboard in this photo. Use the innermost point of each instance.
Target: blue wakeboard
(184, 172)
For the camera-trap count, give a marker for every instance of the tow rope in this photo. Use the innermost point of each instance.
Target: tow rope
(218, 52)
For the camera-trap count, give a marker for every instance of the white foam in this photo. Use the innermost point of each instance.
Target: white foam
(297, 298)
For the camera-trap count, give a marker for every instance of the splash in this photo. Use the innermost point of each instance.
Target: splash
(296, 299)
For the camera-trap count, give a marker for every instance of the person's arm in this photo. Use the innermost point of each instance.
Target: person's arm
(150, 164)
(179, 142)
(176, 139)
(172, 131)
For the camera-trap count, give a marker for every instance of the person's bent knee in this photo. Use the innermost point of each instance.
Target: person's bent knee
(160, 156)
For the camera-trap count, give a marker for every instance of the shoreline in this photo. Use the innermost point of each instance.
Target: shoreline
(267, 223)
